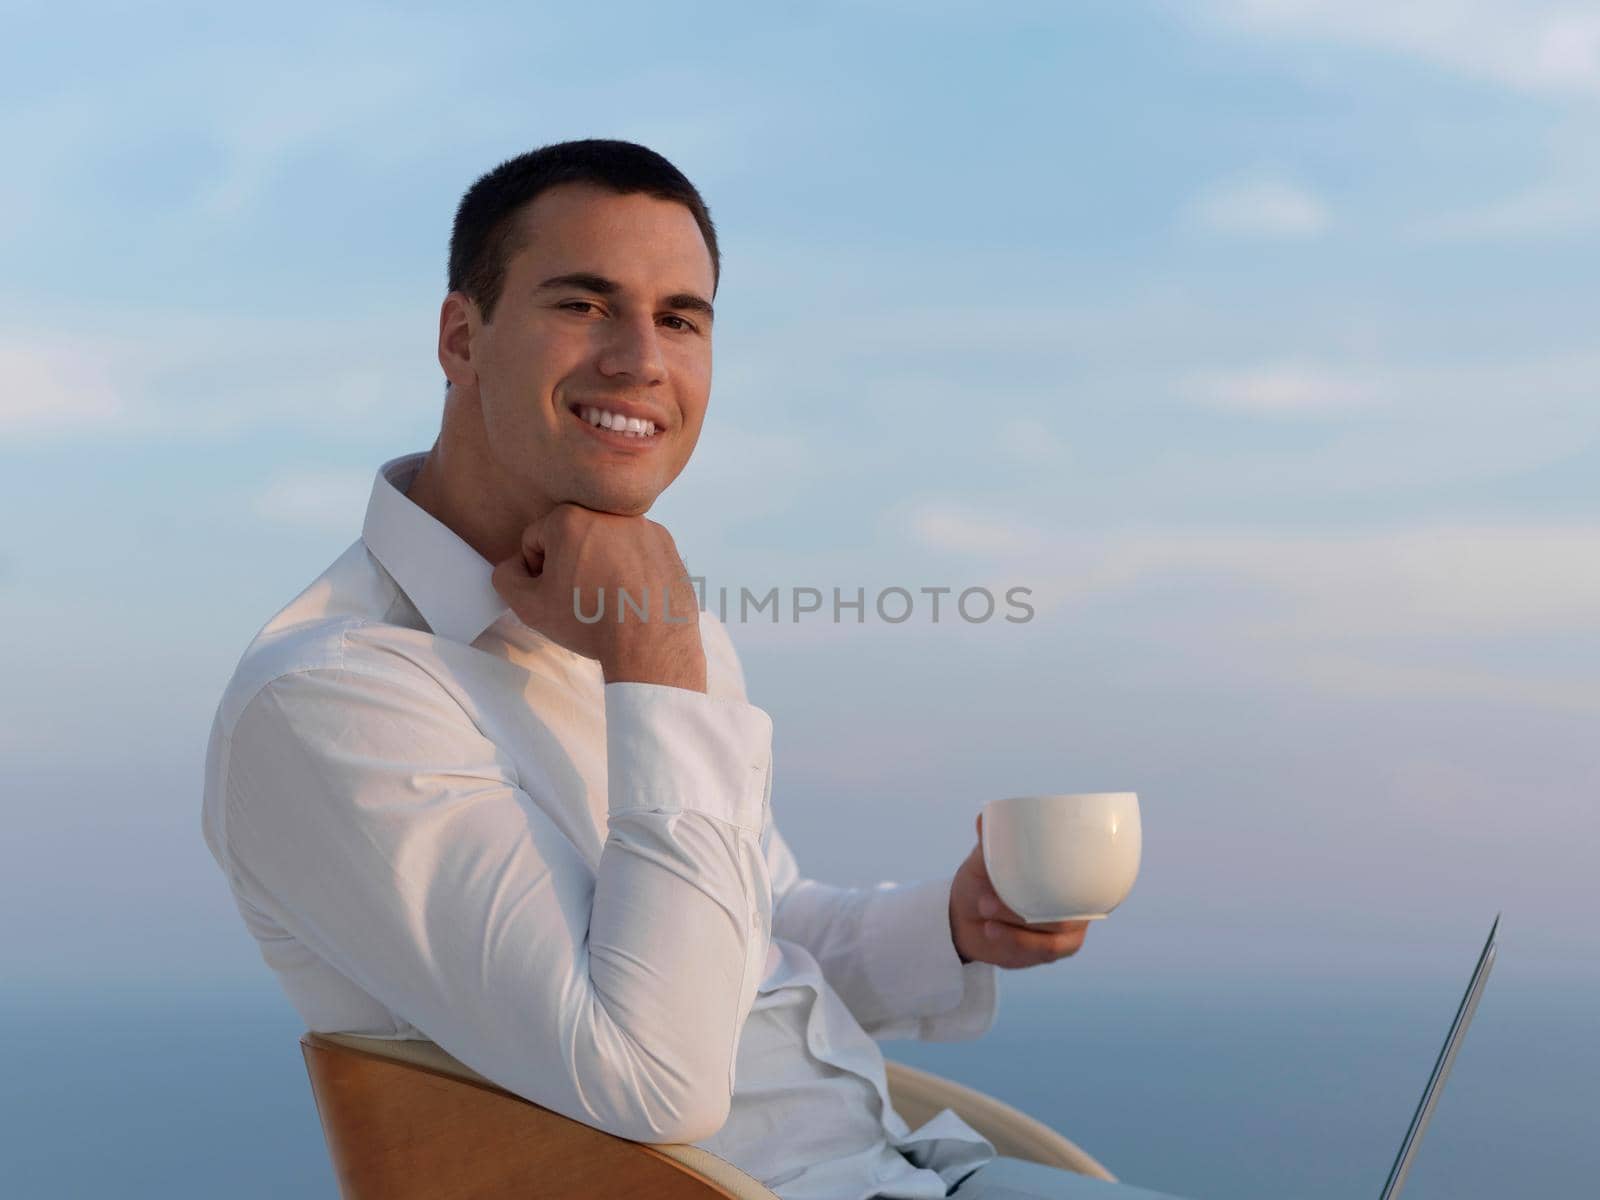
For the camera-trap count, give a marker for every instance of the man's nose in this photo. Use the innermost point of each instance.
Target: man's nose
(633, 348)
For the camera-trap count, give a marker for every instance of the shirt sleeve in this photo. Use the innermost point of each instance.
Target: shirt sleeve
(372, 818)
(886, 950)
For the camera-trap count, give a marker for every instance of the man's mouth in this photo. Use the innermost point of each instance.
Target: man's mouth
(636, 428)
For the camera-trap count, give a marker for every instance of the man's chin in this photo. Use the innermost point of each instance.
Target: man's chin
(622, 503)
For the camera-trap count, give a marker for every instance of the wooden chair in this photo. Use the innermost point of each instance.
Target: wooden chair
(406, 1121)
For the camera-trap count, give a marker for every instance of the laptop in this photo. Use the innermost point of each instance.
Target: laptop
(1441, 1068)
(991, 1182)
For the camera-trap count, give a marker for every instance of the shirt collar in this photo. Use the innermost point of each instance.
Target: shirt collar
(444, 578)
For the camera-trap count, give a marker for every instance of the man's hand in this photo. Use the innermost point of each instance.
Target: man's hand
(572, 547)
(985, 930)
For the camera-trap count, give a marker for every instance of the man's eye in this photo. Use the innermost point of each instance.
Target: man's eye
(573, 305)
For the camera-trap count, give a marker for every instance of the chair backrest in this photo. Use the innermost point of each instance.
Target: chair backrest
(421, 1126)
(919, 1095)
(403, 1119)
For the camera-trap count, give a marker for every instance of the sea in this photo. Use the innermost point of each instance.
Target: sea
(1226, 1089)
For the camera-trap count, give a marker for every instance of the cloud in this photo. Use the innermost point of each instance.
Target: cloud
(1434, 580)
(201, 133)
(53, 386)
(1550, 208)
(1565, 201)
(44, 142)
(956, 529)
(1354, 675)
(1259, 205)
(332, 499)
(130, 376)
(1348, 611)
(1282, 390)
(1389, 426)
(261, 129)
(1528, 45)
(1033, 442)
(738, 480)
(1469, 579)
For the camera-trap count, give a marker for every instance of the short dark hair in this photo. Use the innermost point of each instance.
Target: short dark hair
(485, 234)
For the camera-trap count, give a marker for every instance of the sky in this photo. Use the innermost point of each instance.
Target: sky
(1255, 339)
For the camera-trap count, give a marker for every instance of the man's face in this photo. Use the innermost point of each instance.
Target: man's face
(632, 347)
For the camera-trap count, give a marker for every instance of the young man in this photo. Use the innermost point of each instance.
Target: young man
(450, 807)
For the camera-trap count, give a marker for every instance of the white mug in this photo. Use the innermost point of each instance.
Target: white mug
(1063, 858)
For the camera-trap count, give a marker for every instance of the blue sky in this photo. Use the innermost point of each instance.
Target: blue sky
(1256, 338)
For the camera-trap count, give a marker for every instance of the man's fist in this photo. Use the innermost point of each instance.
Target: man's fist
(575, 562)
(984, 929)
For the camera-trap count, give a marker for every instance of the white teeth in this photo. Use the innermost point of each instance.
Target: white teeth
(628, 426)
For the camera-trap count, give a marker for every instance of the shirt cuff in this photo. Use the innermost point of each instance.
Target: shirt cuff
(917, 970)
(974, 1015)
(674, 749)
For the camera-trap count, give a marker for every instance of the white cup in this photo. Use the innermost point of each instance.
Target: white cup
(1063, 858)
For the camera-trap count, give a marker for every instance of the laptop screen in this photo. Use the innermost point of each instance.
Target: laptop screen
(1441, 1068)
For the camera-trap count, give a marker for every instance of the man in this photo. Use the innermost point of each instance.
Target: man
(449, 806)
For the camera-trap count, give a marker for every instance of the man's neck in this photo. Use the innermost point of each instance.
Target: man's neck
(463, 500)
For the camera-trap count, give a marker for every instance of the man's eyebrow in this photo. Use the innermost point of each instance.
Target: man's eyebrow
(588, 281)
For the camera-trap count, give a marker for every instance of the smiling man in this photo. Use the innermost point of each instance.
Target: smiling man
(449, 807)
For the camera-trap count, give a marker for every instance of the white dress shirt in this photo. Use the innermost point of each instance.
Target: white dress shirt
(439, 823)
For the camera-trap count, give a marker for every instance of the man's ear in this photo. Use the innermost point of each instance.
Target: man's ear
(459, 321)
